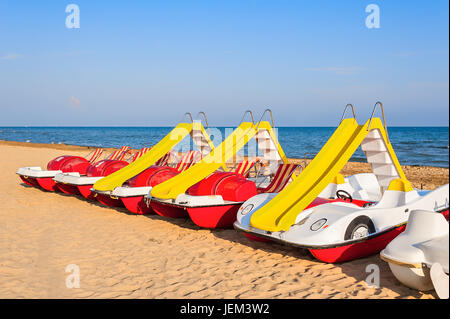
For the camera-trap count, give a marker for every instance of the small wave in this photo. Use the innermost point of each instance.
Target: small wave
(440, 147)
(408, 143)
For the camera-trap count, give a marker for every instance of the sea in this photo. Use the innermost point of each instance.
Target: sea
(421, 146)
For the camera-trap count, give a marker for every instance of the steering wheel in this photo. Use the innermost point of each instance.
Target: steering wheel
(344, 195)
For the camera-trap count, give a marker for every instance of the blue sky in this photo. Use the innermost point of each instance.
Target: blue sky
(147, 62)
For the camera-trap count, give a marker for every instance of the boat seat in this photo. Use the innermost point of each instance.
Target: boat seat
(281, 178)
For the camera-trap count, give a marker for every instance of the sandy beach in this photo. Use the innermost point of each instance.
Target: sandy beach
(121, 255)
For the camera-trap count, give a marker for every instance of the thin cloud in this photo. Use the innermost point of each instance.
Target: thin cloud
(340, 70)
(74, 103)
(11, 56)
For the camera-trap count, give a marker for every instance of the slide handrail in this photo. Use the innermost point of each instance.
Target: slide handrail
(206, 121)
(245, 113)
(345, 110)
(204, 117)
(262, 116)
(185, 115)
(384, 119)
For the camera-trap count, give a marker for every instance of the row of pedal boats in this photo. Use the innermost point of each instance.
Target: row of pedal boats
(309, 205)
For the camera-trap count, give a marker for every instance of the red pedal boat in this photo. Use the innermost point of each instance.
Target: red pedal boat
(132, 193)
(37, 177)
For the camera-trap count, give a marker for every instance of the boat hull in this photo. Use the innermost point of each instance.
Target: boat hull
(137, 205)
(167, 210)
(68, 189)
(30, 181)
(416, 278)
(356, 250)
(109, 201)
(214, 216)
(48, 184)
(361, 249)
(85, 191)
(257, 238)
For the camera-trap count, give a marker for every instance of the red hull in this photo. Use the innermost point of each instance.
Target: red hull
(214, 216)
(361, 249)
(85, 190)
(108, 201)
(357, 250)
(68, 189)
(257, 238)
(48, 184)
(137, 205)
(168, 210)
(29, 181)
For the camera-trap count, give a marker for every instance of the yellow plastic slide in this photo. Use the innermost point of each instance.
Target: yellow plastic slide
(179, 184)
(280, 213)
(175, 136)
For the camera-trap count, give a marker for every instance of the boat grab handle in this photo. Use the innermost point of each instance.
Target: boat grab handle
(345, 110)
(204, 117)
(251, 114)
(271, 118)
(384, 119)
(187, 114)
(206, 121)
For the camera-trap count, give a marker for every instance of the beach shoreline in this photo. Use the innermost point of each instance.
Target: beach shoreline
(421, 177)
(122, 255)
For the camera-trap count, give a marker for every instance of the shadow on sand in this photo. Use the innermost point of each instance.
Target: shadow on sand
(355, 268)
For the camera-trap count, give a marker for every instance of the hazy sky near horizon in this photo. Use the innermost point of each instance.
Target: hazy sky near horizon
(147, 62)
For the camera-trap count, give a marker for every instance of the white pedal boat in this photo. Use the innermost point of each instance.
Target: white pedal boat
(419, 257)
(341, 231)
(362, 187)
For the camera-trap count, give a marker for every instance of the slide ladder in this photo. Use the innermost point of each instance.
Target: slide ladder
(380, 154)
(268, 145)
(280, 213)
(379, 157)
(201, 138)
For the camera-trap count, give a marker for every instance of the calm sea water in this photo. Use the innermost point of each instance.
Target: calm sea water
(413, 145)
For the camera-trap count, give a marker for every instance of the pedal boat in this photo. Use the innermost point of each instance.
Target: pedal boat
(75, 183)
(214, 202)
(37, 177)
(418, 257)
(210, 196)
(131, 193)
(211, 203)
(359, 189)
(340, 231)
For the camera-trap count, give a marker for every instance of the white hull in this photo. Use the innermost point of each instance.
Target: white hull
(423, 246)
(124, 191)
(36, 172)
(360, 186)
(75, 179)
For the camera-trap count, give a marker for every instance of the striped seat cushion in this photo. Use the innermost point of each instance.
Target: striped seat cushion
(119, 154)
(94, 156)
(244, 167)
(141, 152)
(187, 160)
(281, 178)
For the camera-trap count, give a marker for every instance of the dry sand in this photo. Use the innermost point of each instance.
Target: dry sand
(127, 256)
